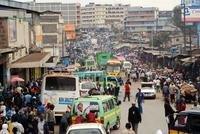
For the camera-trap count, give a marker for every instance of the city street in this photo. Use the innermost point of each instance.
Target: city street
(152, 118)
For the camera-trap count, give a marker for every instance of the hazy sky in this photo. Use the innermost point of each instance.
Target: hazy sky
(161, 4)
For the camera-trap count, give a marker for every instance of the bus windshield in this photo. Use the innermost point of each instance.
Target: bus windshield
(113, 68)
(60, 83)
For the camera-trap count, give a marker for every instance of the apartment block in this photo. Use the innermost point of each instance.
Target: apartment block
(69, 11)
(141, 19)
(164, 22)
(116, 13)
(102, 15)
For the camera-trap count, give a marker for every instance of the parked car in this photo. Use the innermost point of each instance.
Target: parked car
(86, 128)
(148, 89)
(105, 106)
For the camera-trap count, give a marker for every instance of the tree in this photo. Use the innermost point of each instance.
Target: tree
(161, 39)
(177, 17)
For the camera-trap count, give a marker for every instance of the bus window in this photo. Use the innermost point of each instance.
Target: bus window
(60, 83)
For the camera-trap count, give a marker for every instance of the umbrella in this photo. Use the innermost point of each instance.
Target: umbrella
(16, 79)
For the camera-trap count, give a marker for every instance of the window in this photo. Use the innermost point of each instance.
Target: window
(85, 131)
(105, 107)
(60, 83)
(111, 103)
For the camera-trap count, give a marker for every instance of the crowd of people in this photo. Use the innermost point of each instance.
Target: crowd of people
(21, 110)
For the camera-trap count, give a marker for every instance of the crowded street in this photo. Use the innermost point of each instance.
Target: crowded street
(91, 67)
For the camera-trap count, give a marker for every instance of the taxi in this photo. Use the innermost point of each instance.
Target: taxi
(105, 106)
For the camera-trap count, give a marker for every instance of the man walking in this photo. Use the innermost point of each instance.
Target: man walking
(140, 100)
(134, 117)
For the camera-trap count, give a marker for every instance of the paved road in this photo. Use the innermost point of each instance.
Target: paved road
(152, 118)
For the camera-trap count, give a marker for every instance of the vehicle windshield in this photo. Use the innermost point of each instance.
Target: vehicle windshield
(82, 108)
(88, 85)
(195, 123)
(60, 83)
(113, 68)
(86, 131)
(147, 85)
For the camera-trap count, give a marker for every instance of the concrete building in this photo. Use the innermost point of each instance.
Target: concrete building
(52, 26)
(14, 38)
(102, 15)
(115, 14)
(141, 19)
(164, 22)
(69, 11)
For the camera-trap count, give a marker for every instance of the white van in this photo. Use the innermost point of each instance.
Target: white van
(127, 66)
(59, 89)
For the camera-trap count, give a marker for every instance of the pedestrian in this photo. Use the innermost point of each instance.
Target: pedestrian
(40, 125)
(140, 99)
(128, 130)
(50, 119)
(166, 91)
(195, 106)
(65, 121)
(169, 113)
(4, 129)
(16, 124)
(172, 92)
(91, 116)
(127, 91)
(134, 117)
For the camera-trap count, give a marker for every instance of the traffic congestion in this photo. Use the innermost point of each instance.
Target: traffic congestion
(87, 97)
(74, 69)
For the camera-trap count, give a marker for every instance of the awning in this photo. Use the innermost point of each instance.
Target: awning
(189, 60)
(31, 61)
(51, 62)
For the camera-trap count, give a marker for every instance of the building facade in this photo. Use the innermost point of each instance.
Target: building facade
(69, 11)
(102, 15)
(52, 25)
(164, 22)
(141, 19)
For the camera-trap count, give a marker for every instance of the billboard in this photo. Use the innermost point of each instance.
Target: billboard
(192, 14)
(70, 31)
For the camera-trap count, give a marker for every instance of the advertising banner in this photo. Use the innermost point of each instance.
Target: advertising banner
(192, 14)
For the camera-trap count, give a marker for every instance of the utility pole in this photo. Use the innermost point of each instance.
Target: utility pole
(184, 29)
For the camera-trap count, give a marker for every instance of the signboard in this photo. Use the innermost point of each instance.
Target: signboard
(191, 2)
(192, 14)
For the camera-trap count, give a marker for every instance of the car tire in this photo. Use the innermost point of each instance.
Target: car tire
(154, 97)
(117, 124)
(108, 129)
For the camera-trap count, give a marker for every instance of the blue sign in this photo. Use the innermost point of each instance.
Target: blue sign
(66, 101)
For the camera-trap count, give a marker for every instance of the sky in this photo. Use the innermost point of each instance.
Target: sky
(161, 4)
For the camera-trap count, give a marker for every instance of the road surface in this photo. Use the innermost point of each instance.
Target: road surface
(152, 118)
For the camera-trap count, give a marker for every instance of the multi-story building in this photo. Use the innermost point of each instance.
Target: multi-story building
(164, 22)
(69, 11)
(93, 15)
(116, 13)
(52, 25)
(141, 19)
(102, 15)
